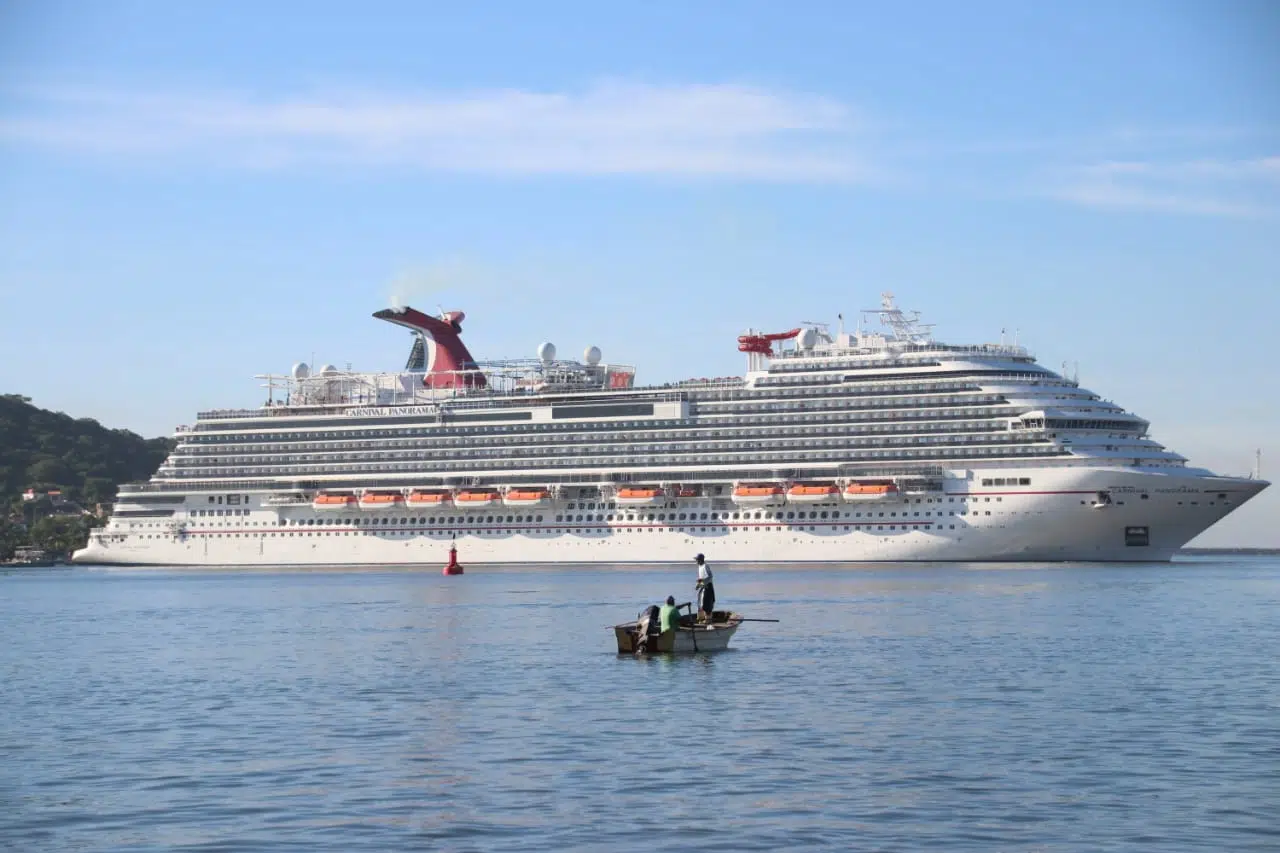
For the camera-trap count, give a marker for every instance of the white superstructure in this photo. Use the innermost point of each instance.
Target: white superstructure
(851, 447)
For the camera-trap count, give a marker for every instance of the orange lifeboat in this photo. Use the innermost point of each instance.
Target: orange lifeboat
(869, 491)
(476, 498)
(640, 496)
(333, 503)
(812, 493)
(687, 492)
(526, 497)
(427, 500)
(757, 494)
(381, 500)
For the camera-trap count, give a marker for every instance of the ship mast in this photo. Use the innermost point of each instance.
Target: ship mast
(906, 325)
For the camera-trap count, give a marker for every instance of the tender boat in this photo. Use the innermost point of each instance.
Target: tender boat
(333, 503)
(476, 498)
(381, 500)
(757, 494)
(869, 491)
(813, 493)
(521, 498)
(691, 637)
(428, 500)
(640, 496)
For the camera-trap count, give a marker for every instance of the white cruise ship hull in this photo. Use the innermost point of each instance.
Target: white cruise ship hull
(1147, 517)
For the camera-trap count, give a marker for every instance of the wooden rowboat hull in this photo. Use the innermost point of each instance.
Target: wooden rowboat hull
(682, 641)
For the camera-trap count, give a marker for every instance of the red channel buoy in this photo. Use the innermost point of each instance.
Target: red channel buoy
(452, 567)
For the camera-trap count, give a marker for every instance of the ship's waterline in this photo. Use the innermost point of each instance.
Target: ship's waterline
(841, 448)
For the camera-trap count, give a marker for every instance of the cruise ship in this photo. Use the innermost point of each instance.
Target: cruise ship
(880, 444)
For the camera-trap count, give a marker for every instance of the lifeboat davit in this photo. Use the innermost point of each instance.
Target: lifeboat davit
(476, 498)
(640, 496)
(526, 497)
(333, 503)
(757, 494)
(381, 500)
(869, 491)
(427, 500)
(812, 493)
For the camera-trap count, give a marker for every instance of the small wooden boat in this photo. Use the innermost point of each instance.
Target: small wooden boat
(690, 638)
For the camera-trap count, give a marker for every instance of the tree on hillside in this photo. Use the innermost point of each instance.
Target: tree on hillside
(61, 533)
(47, 450)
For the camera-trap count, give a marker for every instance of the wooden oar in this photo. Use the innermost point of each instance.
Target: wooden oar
(744, 619)
(693, 629)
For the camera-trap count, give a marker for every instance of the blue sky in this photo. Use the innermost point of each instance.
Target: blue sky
(194, 193)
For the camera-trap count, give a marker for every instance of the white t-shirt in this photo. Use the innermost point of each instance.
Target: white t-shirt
(704, 572)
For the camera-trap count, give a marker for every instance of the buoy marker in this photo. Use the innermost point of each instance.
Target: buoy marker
(452, 567)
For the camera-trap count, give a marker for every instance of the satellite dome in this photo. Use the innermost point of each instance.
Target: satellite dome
(808, 338)
(547, 352)
(301, 371)
(591, 356)
(328, 370)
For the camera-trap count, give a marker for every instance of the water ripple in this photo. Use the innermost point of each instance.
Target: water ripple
(967, 708)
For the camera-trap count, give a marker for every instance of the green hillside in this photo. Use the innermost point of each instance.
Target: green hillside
(87, 462)
(45, 450)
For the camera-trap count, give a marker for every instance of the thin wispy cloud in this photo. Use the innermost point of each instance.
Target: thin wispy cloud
(685, 130)
(1246, 187)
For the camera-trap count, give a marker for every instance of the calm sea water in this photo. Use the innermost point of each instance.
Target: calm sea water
(898, 708)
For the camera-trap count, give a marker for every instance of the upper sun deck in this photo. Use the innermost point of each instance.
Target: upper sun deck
(442, 375)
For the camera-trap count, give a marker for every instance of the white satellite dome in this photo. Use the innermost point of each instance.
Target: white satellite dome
(547, 352)
(808, 338)
(328, 370)
(591, 355)
(300, 371)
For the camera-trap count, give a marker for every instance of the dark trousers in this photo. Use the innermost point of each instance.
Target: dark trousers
(707, 598)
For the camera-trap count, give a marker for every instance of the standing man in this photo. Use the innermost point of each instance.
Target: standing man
(706, 590)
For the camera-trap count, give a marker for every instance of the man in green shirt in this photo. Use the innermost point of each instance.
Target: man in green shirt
(669, 615)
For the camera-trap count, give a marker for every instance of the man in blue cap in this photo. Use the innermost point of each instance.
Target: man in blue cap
(706, 589)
